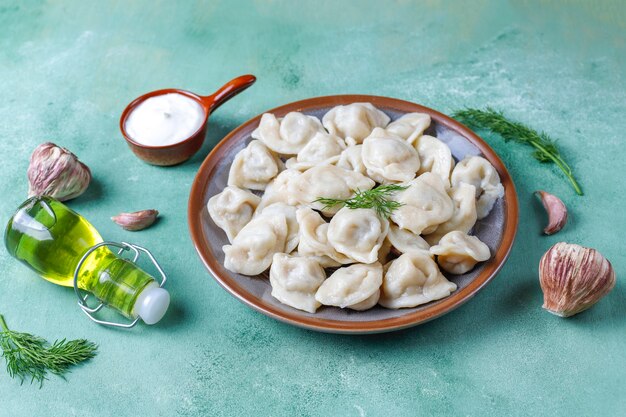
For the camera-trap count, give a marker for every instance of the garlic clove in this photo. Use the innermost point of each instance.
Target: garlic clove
(557, 212)
(573, 278)
(56, 172)
(137, 220)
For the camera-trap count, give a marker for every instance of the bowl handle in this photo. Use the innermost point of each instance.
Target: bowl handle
(227, 91)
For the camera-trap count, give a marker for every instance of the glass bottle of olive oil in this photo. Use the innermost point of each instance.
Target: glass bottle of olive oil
(51, 239)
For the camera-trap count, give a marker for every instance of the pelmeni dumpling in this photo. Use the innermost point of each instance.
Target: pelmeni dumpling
(352, 159)
(254, 167)
(289, 212)
(358, 233)
(425, 205)
(410, 126)
(458, 253)
(477, 171)
(411, 280)
(254, 246)
(356, 120)
(356, 286)
(404, 240)
(321, 149)
(313, 240)
(435, 157)
(389, 158)
(277, 191)
(295, 280)
(464, 217)
(288, 135)
(232, 209)
(327, 181)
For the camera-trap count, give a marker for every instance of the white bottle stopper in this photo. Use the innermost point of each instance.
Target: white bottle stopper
(152, 303)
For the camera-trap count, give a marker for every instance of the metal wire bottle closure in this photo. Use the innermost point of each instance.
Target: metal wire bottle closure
(82, 300)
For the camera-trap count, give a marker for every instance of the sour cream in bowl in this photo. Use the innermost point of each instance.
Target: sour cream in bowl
(167, 127)
(165, 119)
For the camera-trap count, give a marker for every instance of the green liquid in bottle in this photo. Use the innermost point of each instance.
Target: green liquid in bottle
(50, 238)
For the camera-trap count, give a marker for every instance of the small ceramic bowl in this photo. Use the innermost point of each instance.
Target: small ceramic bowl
(181, 151)
(497, 230)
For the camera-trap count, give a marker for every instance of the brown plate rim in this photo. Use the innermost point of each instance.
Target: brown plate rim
(196, 203)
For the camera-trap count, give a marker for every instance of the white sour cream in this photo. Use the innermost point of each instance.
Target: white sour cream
(164, 120)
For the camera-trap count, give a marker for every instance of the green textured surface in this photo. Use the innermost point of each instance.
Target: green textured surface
(69, 68)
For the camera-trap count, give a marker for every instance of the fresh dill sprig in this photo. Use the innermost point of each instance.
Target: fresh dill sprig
(376, 198)
(32, 357)
(545, 147)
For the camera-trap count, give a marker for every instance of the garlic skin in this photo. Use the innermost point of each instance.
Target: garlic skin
(137, 220)
(56, 172)
(573, 278)
(557, 212)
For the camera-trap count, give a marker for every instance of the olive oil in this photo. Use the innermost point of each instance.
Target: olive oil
(51, 239)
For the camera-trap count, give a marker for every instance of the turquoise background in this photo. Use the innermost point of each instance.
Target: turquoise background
(68, 68)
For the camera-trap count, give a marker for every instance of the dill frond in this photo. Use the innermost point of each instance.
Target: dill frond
(376, 198)
(32, 357)
(546, 150)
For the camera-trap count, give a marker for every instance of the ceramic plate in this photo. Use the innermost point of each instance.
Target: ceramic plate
(497, 230)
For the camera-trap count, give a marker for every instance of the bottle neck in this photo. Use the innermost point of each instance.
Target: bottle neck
(115, 281)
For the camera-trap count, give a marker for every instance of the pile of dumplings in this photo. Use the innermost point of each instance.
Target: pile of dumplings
(353, 258)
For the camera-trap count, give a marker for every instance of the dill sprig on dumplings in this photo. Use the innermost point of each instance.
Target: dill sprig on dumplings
(545, 147)
(376, 198)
